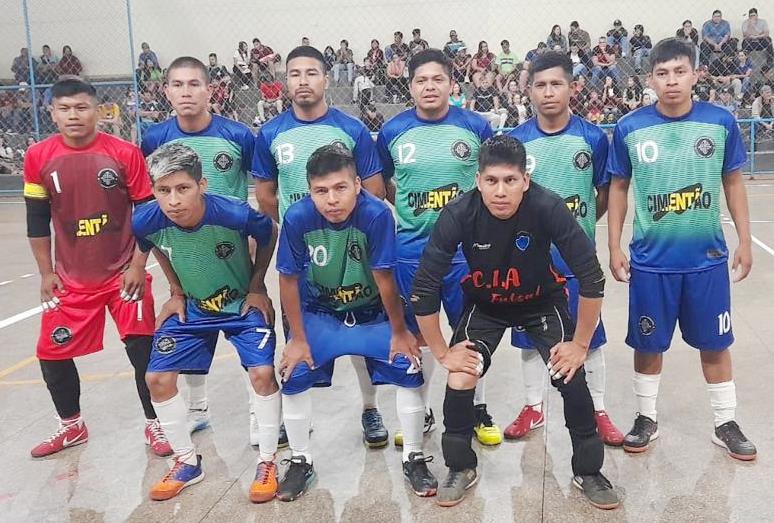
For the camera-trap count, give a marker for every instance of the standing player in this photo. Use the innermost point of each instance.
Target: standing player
(431, 153)
(679, 153)
(225, 148)
(87, 183)
(335, 259)
(204, 238)
(506, 227)
(568, 155)
(282, 148)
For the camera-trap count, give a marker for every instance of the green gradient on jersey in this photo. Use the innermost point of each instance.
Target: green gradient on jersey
(221, 164)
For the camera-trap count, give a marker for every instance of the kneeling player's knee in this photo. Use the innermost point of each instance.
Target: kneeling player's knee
(162, 385)
(577, 382)
(263, 380)
(462, 380)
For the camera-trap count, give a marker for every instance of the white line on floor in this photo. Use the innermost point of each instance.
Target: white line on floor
(28, 275)
(6, 282)
(755, 240)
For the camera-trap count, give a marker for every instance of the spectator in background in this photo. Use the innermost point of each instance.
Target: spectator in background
(372, 118)
(374, 63)
(457, 98)
(21, 66)
(715, 38)
(594, 107)
(150, 77)
(531, 55)
(461, 65)
(21, 115)
(745, 68)
(725, 73)
(150, 112)
(486, 102)
(763, 108)
(618, 39)
(271, 98)
(632, 95)
(363, 86)
(242, 74)
(147, 54)
(505, 63)
(69, 64)
(482, 63)
(726, 101)
(766, 77)
(453, 45)
(345, 61)
(397, 47)
(688, 34)
(263, 61)
(46, 71)
(647, 99)
(516, 105)
(555, 37)
(756, 37)
(6, 111)
(216, 71)
(640, 46)
(611, 101)
(109, 117)
(605, 63)
(397, 85)
(417, 44)
(704, 88)
(581, 62)
(579, 96)
(222, 98)
(329, 55)
(579, 37)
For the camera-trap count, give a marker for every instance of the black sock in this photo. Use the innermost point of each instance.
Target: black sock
(459, 418)
(64, 385)
(138, 348)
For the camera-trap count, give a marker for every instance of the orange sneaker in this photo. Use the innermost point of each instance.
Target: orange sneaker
(180, 476)
(264, 486)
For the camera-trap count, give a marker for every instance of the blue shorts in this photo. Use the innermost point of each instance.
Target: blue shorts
(520, 339)
(700, 301)
(451, 291)
(190, 346)
(329, 338)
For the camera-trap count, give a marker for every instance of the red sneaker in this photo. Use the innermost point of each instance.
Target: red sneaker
(529, 418)
(71, 432)
(607, 431)
(155, 437)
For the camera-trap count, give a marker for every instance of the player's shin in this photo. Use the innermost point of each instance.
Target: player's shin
(595, 377)
(172, 415)
(411, 413)
(533, 371)
(428, 368)
(267, 412)
(367, 388)
(297, 415)
(458, 419)
(138, 349)
(197, 391)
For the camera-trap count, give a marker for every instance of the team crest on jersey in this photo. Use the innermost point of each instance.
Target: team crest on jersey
(224, 250)
(704, 147)
(522, 241)
(223, 161)
(107, 178)
(165, 344)
(355, 251)
(61, 335)
(647, 325)
(461, 150)
(582, 160)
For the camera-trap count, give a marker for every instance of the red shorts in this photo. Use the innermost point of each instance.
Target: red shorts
(76, 327)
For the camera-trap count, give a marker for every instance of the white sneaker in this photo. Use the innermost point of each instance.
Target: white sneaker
(198, 419)
(253, 429)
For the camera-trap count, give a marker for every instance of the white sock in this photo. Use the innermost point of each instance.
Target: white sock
(172, 416)
(646, 390)
(411, 413)
(595, 377)
(297, 414)
(367, 389)
(479, 397)
(534, 373)
(250, 390)
(723, 401)
(428, 368)
(197, 391)
(267, 413)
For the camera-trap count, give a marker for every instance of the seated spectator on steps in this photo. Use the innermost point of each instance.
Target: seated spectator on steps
(461, 65)
(632, 95)
(263, 62)
(150, 77)
(243, 75)
(150, 111)
(417, 43)
(222, 98)
(69, 65)
(363, 86)
(216, 71)
(555, 37)
(725, 73)
(20, 67)
(745, 67)
(579, 96)
(329, 55)
(374, 62)
(271, 98)
(397, 47)
(397, 84)
(640, 45)
(457, 98)
(593, 108)
(618, 39)
(516, 104)
(611, 101)
(505, 64)
(756, 35)
(605, 63)
(482, 63)
(486, 102)
(453, 45)
(344, 62)
(372, 118)
(581, 61)
(763, 108)
(579, 37)
(716, 38)
(147, 54)
(47, 66)
(726, 101)
(688, 34)
(704, 85)
(109, 117)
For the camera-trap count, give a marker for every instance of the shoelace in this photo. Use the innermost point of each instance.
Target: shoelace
(485, 418)
(373, 419)
(296, 469)
(158, 435)
(174, 470)
(421, 458)
(63, 427)
(264, 472)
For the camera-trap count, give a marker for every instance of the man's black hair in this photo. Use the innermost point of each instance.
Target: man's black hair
(428, 56)
(72, 86)
(670, 49)
(549, 60)
(306, 51)
(190, 62)
(502, 150)
(717, 12)
(329, 159)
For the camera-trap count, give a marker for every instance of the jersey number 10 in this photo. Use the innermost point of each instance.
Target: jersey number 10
(647, 151)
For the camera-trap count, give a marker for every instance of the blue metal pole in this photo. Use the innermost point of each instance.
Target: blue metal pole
(32, 70)
(135, 85)
(752, 148)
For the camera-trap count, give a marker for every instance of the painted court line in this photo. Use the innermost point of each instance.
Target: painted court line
(754, 239)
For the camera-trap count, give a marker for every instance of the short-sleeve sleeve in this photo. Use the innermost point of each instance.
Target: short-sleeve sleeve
(381, 241)
(383, 148)
(149, 142)
(247, 143)
(263, 166)
(618, 162)
(141, 225)
(137, 177)
(258, 225)
(599, 153)
(366, 158)
(735, 152)
(33, 184)
(291, 253)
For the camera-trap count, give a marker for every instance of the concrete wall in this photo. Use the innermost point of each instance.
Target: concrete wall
(97, 29)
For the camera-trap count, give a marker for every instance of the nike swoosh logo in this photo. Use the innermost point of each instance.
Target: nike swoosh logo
(67, 443)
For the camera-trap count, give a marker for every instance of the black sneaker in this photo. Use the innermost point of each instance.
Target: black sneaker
(282, 441)
(415, 470)
(375, 434)
(298, 477)
(598, 490)
(454, 486)
(643, 432)
(730, 437)
(429, 421)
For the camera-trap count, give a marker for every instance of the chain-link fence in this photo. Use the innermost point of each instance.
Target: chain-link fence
(123, 46)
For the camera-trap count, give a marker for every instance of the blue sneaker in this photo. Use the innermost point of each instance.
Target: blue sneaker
(375, 433)
(180, 476)
(198, 419)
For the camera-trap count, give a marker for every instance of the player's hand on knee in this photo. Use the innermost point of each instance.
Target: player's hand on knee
(403, 342)
(619, 265)
(463, 357)
(133, 283)
(296, 351)
(50, 286)
(565, 360)
(174, 305)
(742, 262)
(261, 302)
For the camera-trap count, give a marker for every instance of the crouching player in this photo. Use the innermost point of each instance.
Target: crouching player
(204, 236)
(336, 260)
